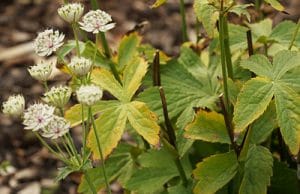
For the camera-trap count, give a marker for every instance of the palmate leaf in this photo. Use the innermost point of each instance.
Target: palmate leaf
(183, 89)
(111, 122)
(208, 126)
(214, 172)
(257, 171)
(257, 93)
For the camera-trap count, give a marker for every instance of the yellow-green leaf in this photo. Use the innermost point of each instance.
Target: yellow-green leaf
(288, 115)
(143, 121)
(128, 49)
(158, 3)
(275, 4)
(214, 172)
(110, 127)
(259, 64)
(106, 81)
(133, 75)
(252, 101)
(74, 114)
(208, 126)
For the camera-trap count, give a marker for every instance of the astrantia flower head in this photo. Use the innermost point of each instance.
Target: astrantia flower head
(80, 66)
(71, 12)
(58, 96)
(38, 116)
(14, 106)
(96, 21)
(57, 127)
(89, 94)
(48, 42)
(41, 71)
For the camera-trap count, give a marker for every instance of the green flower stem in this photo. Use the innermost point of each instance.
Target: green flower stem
(59, 149)
(84, 130)
(183, 22)
(294, 35)
(67, 148)
(90, 183)
(66, 1)
(100, 150)
(49, 148)
(72, 146)
(76, 38)
(223, 61)
(94, 4)
(227, 47)
(46, 86)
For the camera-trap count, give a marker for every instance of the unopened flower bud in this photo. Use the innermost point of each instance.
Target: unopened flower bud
(89, 94)
(48, 42)
(14, 106)
(58, 96)
(38, 116)
(96, 21)
(71, 12)
(41, 71)
(80, 66)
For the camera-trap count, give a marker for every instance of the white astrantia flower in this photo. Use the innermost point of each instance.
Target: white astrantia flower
(48, 42)
(89, 94)
(14, 106)
(56, 128)
(58, 96)
(80, 66)
(38, 116)
(96, 21)
(41, 71)
(71, 12)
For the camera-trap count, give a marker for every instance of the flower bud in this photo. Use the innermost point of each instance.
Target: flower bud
(58, 96)
(38, 116)
(57, 127)
(96, 21)
(41, 71)
(80, 66)
(14, 106)
(71, 12)
(89, 94)
(48, 42)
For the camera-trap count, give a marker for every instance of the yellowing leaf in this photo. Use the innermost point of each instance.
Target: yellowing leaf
(158, 3)
(106, 81)
(275, 4)
(110, 127)
(252, 101)
(143, 121)
(133, 75)
(128, 49)
(208, 126)
(214, 172)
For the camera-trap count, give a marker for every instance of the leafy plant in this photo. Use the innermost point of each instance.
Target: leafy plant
(218, 119)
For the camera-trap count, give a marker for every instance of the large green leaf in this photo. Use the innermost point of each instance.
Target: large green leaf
(252, 101)
(208, 126)
(259, 64)
(109, 127)
(214, 172)
(257, 171)
(283, 62)
(128, 49)
(207, 14)
(262, 30)
(288, 115)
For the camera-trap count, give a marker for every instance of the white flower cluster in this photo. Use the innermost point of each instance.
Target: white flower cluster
(14, 106)
(96, 21)
(41, 71)
(48, 42)
(58, 96)
(80, 66)
(71, 12)
(89, 94)
(40, 117)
